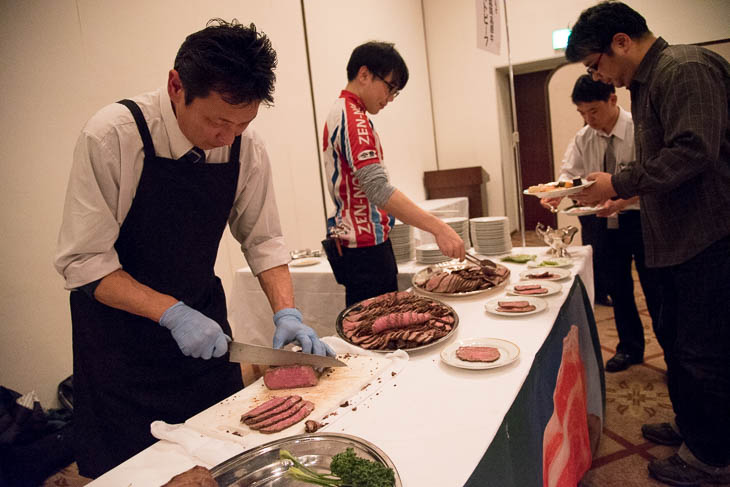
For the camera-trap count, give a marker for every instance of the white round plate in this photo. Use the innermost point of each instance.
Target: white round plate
(552, 287)
(561, 191)
(539, 304)
(508, 353)
(304, 262)
(556, 271)
(551, 262)
(582, 210)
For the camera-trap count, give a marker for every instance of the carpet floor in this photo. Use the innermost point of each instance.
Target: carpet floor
(635, 396)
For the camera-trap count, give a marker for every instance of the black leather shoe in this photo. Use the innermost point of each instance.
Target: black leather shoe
(661, 433)
(675, 471)
(621, 361)
(604, 300)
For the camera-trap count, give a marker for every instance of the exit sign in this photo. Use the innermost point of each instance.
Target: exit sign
(560, 38)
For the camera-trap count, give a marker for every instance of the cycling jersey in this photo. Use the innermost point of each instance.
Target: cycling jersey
(351, 143)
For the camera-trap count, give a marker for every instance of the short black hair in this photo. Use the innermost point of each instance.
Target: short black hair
(229, 58)
(596, 26)
(586, 90)
(381, 59)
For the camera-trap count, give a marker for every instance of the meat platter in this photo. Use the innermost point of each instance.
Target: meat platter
(400, 320)
(261, 465)
(454, 279)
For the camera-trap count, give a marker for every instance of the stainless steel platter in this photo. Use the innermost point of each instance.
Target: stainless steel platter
(260, 466)
(343, 313)
(424, 274)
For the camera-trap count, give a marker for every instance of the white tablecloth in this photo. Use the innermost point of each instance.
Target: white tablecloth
(432, 411)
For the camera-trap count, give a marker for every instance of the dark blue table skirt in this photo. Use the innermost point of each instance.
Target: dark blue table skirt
(514, 458)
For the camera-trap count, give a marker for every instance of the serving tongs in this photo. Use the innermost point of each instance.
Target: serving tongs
(488, 267)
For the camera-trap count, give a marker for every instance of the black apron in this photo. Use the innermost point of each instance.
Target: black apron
(128, 370)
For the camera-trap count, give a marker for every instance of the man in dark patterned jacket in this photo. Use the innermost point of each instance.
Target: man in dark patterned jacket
(679, 102)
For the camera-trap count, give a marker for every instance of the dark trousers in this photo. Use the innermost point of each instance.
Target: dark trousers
(593, 233)
(694, 328)
(365, 271)
(622, 246)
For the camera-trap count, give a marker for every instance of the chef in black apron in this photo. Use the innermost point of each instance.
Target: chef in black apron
(150, 338)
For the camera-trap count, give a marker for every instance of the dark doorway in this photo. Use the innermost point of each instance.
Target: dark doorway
(536, 160)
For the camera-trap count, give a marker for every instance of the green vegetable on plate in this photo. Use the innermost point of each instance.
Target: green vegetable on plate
(346, 470)
(519, 258)
(548, 263)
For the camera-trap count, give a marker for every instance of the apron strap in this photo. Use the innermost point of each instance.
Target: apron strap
(144, 132)
(235, 150)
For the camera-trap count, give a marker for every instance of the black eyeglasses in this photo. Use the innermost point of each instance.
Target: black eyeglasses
(594, 67)
(392, 89)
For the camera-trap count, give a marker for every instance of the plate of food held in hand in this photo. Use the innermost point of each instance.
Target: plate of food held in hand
(551, 262)
(453, 279)
(557, 189)
(480, 353)
(581, 210)
(398, 320)
(552, 274)
(515, 306)
(534, 288)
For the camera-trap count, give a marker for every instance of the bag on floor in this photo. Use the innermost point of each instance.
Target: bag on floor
(33, 443)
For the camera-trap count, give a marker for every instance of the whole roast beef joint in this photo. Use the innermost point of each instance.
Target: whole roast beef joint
(290, 377)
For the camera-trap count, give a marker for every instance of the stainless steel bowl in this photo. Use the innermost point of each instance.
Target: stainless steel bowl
(261, 466)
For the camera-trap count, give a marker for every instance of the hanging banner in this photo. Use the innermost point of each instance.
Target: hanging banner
(488, 25)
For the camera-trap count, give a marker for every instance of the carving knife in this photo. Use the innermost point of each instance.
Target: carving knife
(255, 354)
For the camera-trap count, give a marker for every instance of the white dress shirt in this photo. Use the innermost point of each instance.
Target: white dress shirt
(585, 152)
(107, 166)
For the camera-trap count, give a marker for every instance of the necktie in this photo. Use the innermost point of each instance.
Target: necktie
(194, 156)
(609, 165)
(609, 157)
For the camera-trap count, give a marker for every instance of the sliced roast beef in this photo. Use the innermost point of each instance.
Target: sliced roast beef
(541, 275)
(527, 287)
(195, 477)
(540, 290)
(290, 377)
(268, 405)
(279, 417)
(513, 304)
(477, 354)
(517, 310)
(290, 401)
(306, 408)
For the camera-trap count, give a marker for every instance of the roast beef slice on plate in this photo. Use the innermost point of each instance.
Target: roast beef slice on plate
(477, 354)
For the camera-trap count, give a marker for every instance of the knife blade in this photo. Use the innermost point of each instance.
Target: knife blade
(255, 354)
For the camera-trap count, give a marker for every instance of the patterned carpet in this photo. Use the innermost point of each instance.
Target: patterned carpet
(635, 396)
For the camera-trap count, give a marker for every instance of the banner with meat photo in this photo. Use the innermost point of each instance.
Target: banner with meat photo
(566, 451)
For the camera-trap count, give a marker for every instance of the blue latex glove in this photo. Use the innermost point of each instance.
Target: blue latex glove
(195, 334)
(289, 327)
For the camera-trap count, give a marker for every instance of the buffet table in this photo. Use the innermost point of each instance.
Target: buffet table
(448, 426)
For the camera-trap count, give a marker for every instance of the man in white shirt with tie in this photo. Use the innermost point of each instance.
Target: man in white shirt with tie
(605, 144)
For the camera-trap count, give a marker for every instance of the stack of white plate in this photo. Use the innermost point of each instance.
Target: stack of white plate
(401, 237)
(490, 235)
(461, 226)
(429, 254)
